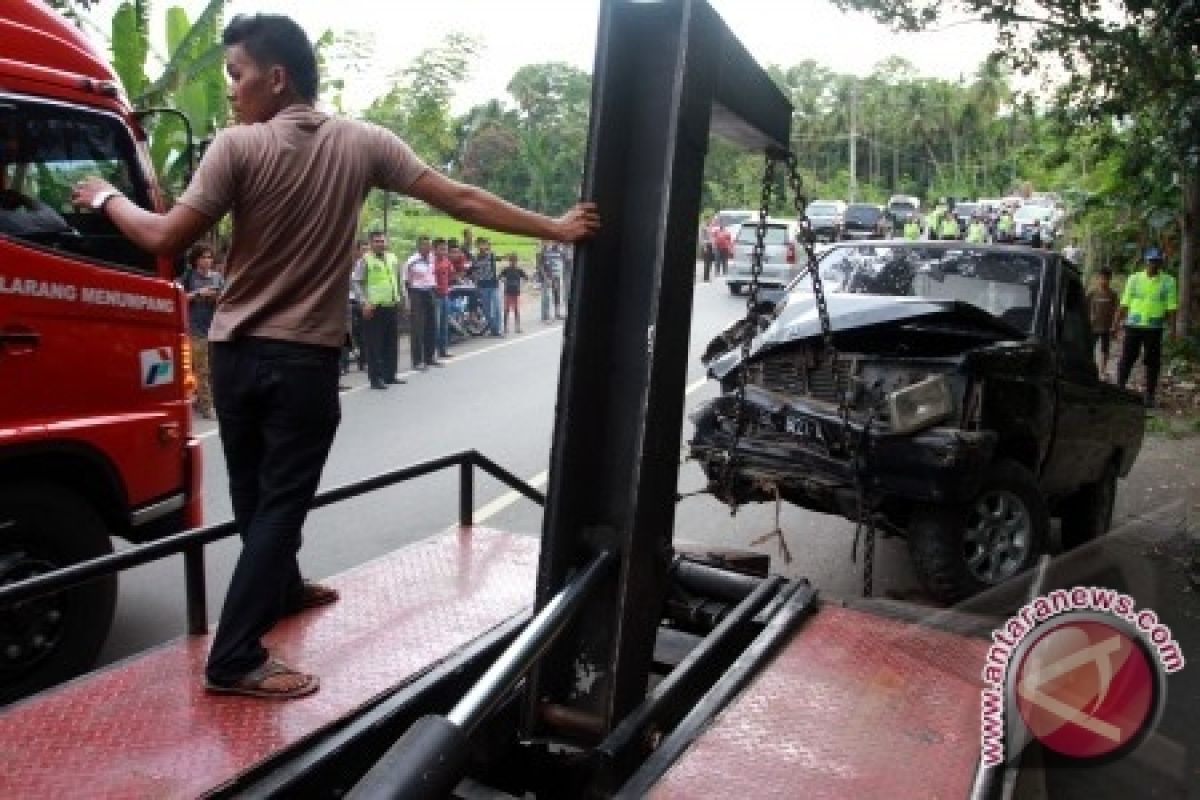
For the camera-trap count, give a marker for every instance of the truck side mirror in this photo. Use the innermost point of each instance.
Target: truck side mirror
(153, 122)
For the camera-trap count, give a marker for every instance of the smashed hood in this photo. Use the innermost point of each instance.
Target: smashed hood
(799, 320)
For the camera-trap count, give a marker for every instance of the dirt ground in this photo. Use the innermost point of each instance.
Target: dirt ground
(1153, 553)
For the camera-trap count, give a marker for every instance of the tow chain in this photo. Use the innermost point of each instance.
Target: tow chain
(866, 521)
(774, 158)
(863, 510)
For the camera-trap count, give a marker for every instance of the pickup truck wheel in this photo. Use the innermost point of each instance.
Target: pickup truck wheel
(48, 639)
(1088, 513)
(1000, 533)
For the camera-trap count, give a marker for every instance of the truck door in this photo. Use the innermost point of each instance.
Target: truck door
(1077, 454)
(90, 334)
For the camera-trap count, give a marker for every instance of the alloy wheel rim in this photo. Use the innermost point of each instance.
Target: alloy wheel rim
(998, 536)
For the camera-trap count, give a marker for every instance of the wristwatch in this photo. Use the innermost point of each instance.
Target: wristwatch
(103, 197)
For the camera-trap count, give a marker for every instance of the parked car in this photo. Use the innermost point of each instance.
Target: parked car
(961, 410)
(901, 208)
(1024, 218)
(964, 212)
(731, 218)
(866, 221)
(779, 266)
(825, 218)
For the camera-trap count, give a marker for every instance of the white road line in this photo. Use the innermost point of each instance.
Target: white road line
(448, 363)
(483, 513)
(491, 509)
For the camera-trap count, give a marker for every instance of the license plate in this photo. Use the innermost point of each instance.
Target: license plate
(804, 428)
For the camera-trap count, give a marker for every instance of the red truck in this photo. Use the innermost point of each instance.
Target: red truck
(95, 427)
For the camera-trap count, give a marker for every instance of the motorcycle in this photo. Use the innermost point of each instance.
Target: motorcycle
(466, 316)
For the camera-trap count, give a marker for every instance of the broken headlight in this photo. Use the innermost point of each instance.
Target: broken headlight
(920, 405)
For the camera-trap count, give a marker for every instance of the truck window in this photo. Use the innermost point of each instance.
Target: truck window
(44, 150)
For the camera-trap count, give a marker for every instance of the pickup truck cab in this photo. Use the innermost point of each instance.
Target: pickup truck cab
(962, 407)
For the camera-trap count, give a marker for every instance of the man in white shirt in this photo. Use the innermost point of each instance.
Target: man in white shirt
(420, 280)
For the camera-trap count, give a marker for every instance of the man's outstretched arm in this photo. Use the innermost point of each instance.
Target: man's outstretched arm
(480, 207)
(161, 234)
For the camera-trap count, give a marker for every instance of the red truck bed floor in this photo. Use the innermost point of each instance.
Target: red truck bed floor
(145, 728)
(854, 706)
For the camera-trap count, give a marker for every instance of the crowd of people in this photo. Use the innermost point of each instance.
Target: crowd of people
(442, 280)
(437, 284)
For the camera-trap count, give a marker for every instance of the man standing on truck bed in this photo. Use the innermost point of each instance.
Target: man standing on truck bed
(294, 179)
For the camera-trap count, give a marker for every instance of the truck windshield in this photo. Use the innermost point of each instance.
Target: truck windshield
(1001, 283)
(44, 150)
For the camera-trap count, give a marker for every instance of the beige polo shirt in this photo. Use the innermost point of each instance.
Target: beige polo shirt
(295, 186)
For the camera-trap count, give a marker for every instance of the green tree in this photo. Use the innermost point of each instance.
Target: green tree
(553, 103)
(191, 79)
(342, 57)
(1136, 62)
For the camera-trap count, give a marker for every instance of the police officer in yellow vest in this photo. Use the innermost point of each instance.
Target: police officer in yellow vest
(932, 219)
(1005, 226)
(977, 231)
(912, 228)
(948, 226)
(1148, 307)
(380, 287)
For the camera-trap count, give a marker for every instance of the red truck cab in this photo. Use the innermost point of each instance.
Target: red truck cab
(95, 424)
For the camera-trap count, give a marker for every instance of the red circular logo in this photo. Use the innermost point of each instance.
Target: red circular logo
(1086, 688)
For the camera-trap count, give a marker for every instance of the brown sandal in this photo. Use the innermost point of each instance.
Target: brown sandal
(265, 682)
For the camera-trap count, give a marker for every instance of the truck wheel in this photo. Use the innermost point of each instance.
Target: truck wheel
(1088, 513)
(48, 639)
(959, 552)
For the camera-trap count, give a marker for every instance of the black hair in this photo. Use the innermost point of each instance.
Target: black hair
(438, 240)
(1106, 272)
(197, 252)
(276, 40)
(375, 233)
(424, 237)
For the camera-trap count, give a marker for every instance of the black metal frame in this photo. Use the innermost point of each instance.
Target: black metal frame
(798, 605)
(191, 543)
(667, 74)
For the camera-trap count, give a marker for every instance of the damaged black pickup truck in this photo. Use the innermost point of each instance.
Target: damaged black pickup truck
(959, 406)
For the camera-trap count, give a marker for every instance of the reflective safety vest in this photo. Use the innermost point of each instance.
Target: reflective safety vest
(380, 279)
(948, 228)
(977, 233)
(912, 230)
(1149, 299)
(1005, 224)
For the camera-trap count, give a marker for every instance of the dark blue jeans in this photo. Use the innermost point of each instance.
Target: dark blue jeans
(277, 404)
(441, 307)
(490, 297)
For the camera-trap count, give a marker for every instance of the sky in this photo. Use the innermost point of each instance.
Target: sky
(518, 32)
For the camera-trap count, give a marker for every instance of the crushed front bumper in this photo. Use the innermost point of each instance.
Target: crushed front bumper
(811, 456)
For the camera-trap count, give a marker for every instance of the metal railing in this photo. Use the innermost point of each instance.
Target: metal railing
(191, 543)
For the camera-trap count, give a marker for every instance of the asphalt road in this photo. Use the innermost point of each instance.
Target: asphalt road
(496, 396)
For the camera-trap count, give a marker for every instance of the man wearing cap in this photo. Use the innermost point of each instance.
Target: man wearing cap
(1148, 307)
